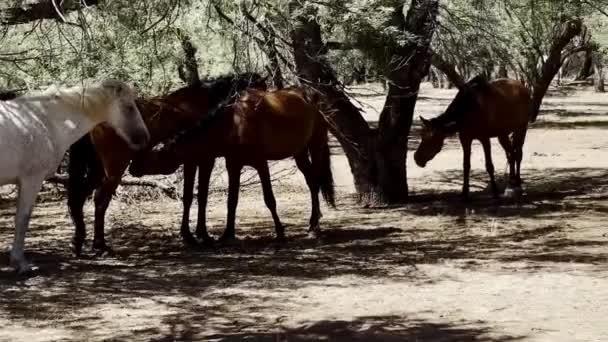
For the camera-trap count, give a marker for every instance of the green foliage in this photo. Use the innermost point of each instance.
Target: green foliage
(479, 35)
(138, 40)
(131, 40)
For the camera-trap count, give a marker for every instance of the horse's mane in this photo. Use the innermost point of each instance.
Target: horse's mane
(223, 93)
(465, 100)
(93, 96)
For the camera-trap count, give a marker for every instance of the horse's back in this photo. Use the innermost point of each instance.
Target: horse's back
(277, 123)
(504, 107)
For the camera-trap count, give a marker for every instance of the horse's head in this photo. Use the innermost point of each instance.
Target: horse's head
(159, 160)
(123, 115)
(253, 81)
(431, 142)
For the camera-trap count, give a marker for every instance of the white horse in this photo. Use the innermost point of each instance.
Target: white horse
(37, 129)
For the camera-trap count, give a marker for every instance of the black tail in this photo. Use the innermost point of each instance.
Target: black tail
(321, 163)
(84, 167)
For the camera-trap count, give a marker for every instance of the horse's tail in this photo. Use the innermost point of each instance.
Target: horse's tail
(321, 163)
(534, 110)
(83, 166)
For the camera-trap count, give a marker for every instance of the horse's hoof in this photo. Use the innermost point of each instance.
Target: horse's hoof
(103, 251)
(228, 241)
(27, 272)
(23, 268)
(208, 241)
(513, 192)
(189, 240)
(76, 246)
(76, 249)
(280, 240)
(314, 232)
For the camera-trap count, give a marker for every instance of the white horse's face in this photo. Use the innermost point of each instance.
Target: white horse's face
(124, 116)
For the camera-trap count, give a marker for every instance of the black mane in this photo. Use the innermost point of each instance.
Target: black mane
(223, 92)
(465, 100)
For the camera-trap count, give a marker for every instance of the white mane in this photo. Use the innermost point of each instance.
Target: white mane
(91, 99)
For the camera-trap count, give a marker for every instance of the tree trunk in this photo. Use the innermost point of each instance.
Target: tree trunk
(188, 67)
(587, 66)
(553, 63)
(20, 12)
(598, 69)
(502, 71)
(376, 156)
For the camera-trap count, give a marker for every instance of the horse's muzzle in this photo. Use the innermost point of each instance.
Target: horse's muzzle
(139, 140)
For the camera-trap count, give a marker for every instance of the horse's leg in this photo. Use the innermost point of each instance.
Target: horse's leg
(189, 174)
(466, 164)
(77, 196)
(487, 150)
(103, 196)
(305, 167)
(28, 191)
(269, 199)
(234, 182)
(204, 177)
(505, 142)
(519, 137)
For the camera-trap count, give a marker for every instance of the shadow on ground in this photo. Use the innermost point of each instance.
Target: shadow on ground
(151, 264)
(372, 329)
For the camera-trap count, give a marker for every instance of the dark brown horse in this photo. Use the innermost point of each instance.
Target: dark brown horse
(482, 110)
(258, 127)
(98, 161)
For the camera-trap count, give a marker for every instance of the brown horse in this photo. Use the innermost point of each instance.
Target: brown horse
(258, 127)
(98, 161)
(482, 110)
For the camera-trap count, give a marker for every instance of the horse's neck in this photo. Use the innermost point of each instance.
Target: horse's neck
(162, 118)
(70, 122)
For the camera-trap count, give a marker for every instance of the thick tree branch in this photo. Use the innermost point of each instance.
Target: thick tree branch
(22, 11)
(448, 69)
(62, 179)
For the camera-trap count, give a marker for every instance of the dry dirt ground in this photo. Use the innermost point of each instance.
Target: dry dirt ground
(433, 270)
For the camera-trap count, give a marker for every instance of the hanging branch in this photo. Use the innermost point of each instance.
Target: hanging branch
(269, 46)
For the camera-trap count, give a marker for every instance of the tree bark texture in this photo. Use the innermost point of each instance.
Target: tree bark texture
(188, 67)
(553, 63)
(598, 68)
(22, 11)
(587, 67)
(376, 155)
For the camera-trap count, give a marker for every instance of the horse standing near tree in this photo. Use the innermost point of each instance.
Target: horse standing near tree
(482, 110)
(259, 126)
(37, 129)
(98, 160)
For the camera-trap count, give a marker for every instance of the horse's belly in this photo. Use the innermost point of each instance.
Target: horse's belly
(277, 142)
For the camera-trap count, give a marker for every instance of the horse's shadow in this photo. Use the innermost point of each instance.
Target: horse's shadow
(546, 191)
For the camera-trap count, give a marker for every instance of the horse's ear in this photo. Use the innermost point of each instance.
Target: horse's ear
(118, 88)
(425, 122)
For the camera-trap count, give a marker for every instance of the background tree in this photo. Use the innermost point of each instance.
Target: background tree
(162, 44)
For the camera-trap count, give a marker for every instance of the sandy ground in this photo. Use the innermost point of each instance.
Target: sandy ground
(434, 270)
